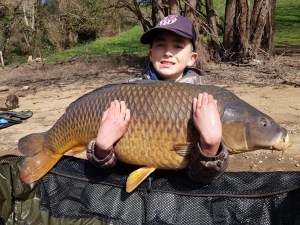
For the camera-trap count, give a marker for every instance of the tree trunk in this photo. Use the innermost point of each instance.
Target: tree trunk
(244, 22)
(174, 7)
(200, 49)
(230, 35)
(256, 38)
(253, 33)
(25, 16)
(73, 38)
(268, 39)
(214, 45)
(134, 7)
(157, 11)
(1, 59)
(255, 14)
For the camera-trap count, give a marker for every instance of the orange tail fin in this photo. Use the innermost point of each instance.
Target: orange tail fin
(31, 144)
(37, 163)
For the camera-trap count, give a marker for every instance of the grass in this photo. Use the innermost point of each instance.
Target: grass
(127, 43)
(287, 32)
(287, 26)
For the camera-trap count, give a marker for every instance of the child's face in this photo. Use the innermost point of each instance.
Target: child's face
(171, 54)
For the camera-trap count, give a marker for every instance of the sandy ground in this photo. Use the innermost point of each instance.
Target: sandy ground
(272, 86)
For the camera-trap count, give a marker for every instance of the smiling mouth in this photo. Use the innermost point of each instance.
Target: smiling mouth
(165, 63)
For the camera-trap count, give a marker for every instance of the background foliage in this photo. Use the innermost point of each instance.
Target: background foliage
(61, 28)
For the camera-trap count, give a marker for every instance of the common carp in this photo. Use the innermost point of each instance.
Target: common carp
(161, 130)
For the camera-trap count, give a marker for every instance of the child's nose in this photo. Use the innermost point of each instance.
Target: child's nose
(168, 52)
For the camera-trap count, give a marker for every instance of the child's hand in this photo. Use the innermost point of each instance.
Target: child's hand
(114, 123)
(207, 121)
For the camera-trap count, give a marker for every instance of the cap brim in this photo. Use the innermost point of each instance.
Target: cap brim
(148, 36)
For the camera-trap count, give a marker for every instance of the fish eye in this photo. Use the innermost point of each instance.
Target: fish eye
(263, 122)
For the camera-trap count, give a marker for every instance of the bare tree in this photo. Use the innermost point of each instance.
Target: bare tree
(200, 49)
(243, 27)
(17, 25)
(263, 21)
(134, 7)
(158, 11)
(243, 35)
(268, 40)
(174, 7)
(230, 31)
(214, 45)
(29, 19)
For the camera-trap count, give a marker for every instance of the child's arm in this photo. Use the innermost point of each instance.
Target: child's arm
(115, 121)
(210, 157)
(207, 121)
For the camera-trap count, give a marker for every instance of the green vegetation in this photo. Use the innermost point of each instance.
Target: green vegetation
(287, 31)
(287, 26)
(127, 43)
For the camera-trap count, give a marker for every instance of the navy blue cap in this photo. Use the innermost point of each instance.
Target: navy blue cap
(175, 23)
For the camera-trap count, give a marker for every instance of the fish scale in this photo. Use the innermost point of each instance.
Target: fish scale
(163, 117)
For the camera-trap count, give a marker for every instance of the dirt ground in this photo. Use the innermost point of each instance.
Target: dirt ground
(271, 85)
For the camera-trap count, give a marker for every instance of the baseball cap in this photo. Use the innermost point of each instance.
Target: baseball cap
(175, 23)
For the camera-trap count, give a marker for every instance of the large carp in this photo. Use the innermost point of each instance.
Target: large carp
(160, 128)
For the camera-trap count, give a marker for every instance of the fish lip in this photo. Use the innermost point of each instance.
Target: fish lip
(282, 143)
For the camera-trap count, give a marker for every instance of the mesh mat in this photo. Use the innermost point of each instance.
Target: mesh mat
(76, 189)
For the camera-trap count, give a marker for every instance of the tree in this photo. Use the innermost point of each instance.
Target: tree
(214, 45)
(263, 25)
(158, 11)
(190, 12)
(133, 6)
(174, 7)
(65, 23)
(245, 35)
(19, 26)
(230, 31)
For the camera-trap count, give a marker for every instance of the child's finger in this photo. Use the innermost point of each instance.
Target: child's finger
(211, 99)
(104, 115)
(127, 116)
(194, 105)
(122, 109)
(205, 99)
(200, 99)
(116, 108)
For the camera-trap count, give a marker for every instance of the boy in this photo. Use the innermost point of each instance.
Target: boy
(172, 46)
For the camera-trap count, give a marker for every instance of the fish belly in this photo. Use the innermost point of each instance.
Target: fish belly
(154, 154)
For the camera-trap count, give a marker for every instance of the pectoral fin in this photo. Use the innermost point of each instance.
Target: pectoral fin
(137, 177)
(184, 149)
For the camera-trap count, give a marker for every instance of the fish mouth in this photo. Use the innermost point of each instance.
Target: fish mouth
(282, 144)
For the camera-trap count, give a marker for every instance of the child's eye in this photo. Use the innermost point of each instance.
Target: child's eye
(179, 46)
(159, 45)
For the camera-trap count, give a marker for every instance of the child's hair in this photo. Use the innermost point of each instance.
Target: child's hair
(175, 23)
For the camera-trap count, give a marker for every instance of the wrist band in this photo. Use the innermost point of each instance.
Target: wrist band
(107, 162)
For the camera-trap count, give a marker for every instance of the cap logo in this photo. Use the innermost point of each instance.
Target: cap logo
(168, 20)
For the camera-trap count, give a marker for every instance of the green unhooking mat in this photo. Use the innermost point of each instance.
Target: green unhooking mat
(12, 118)
(75, 192)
